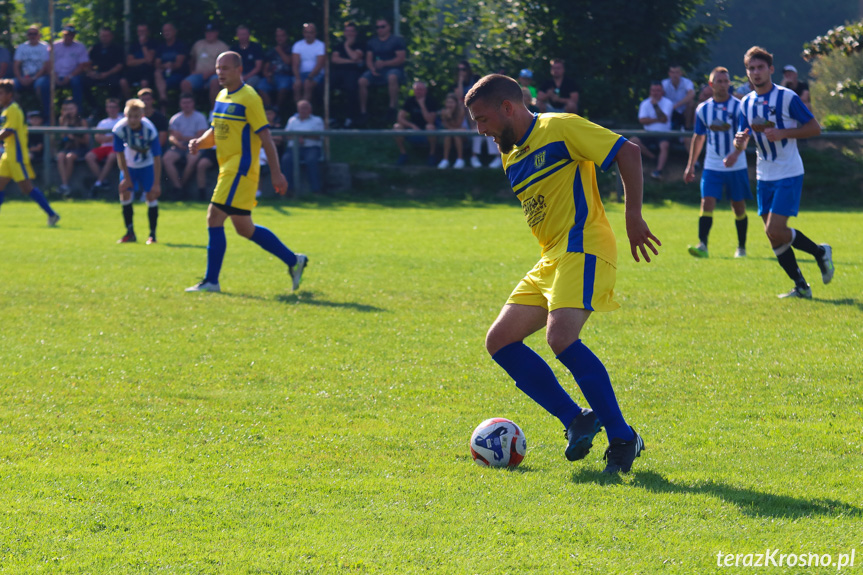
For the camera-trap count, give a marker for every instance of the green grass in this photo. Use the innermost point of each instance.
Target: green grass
(147, 430)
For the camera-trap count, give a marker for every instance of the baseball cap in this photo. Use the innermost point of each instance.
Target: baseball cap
(525, 73)
(211, 26)
(70, 29)
(789, 68)
(33, 113)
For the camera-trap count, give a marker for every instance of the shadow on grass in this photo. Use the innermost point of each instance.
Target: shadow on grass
(185, 246)
(308, 298)
(749, 501)
(844, 301)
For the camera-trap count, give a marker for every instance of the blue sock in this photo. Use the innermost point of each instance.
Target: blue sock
(39, 198)
(215, 254)
(2, 198)
(534, 377)
(268, 240)
(595, 384)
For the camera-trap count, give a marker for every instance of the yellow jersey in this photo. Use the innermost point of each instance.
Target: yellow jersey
(16, 148)
(238, 116)
(552, 170)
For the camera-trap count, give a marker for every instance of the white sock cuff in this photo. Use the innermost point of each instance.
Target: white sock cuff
(126, 202)
(793, 236)
(153, 204)
(782, 249)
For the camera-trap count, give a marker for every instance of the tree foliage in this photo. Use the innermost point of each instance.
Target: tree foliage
(837, 62)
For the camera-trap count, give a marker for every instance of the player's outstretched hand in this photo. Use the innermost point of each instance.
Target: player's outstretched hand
(773, 134)
(280, 184)
(639, 237)
(741, 139)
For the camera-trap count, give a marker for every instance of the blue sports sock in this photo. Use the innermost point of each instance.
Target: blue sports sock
(595, 384)
(215, 254)
(534, 377)
(39, 198)
(2, 198)
(268, 240)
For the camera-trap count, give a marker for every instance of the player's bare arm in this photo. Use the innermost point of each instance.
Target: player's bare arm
(156, 190)
(126, 184)
(629, 166)
(280, 184)
(694, 152)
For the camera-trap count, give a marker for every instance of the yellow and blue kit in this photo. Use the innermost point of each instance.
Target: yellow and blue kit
(15, 163)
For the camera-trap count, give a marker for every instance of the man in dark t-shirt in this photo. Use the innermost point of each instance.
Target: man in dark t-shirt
(139, 62)
(251, 54)
(159, 120)
(106, 65)
(347, 63)
(559, 93)
(385, 62)
(418, 113)
(790, 80)
(172, 62)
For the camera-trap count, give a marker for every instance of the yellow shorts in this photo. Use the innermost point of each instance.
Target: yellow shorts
(16, 171)
(233, 189)
(574, 280)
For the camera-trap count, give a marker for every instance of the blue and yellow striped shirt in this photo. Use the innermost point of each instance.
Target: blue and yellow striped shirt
(238, 116)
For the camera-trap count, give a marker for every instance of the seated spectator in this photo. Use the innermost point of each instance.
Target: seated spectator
(417, 114)
(202, 60)
(525, 80)
(252, 56)
(452, 118)
(744, 89)
(560, 92)
(309, 56)
(278, 71)
(155, 116)
(186, 124)
(654, 114)
(70, 63)
(35, 142)
(385, 63)
(171, 63)
(32, 65)
(529, 102)
(705, 94)
(681, 91)
(104, 152)
(105, 70)
(790, 80)
(347, 63)
(309, 146)
(140, 62)
(5, 63)
(72, 147)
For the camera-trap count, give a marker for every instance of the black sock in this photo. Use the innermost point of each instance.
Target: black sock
(801, 242)
(788, 261)
(153, 215)
(128, 214)
(704, 224)
(742, 224)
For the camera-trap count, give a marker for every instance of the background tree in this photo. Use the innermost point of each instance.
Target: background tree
(837, 59)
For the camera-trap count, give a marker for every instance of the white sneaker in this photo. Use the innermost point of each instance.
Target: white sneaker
(296, 272)
(444, 164)
(459, 164)
(204, 285)
(826, 264)
(496, 163)
(740, 253)
(52, 221)
(474, 162)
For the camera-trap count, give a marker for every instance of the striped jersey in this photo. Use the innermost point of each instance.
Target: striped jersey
(15, 148)
(718, 121)
(552, 171)
(138, 146)
(238, 116)
(780, 108)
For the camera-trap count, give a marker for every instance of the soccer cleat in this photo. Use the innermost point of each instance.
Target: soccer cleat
(204, 285)
(151, 240)
(740, 253)
(826, 264)
(496, 163)
(474, 162)
(580, 434)
(52, 221)
(127, 239)
(459, 164)
(699, 251)
(444, 164)
(801, 292)
(656, 174)
(296, 271)
(620, 454)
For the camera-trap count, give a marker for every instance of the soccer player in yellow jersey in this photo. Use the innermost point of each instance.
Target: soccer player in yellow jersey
(15, 162)
(550, 160)
(238, 131)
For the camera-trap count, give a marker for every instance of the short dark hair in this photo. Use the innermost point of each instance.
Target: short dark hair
(494, 89)
(757, 53)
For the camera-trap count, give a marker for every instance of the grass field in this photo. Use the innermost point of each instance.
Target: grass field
(147, 430)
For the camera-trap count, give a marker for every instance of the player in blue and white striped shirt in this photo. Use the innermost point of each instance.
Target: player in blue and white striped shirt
(777, 118)
(724, 165)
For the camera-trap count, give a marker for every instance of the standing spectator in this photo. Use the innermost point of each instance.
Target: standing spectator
(140, 62)
(155, 116)
(186, 124)
(385, 60)
(346, 66)
(252, 55)
(70, 63)
(278, 71)
(681, 91)
(790, 80)
(32, 65)
(36, 142)
(203, 63)
(106, 65)
(72, 147)
(525, 80)
(171, 63)
(560, 92)
(417, 114)
(310, 146)
(309, 58)
(104, 152)
(654, 114)
(452, 118)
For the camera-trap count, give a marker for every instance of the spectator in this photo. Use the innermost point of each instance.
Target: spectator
(310, 146)
(705, 94)
(452, 118)
(525, 80)
(790, 80)
(32, 65)
(385, 60)
(104, 152)
(278, 141)
(70, 63)
(140, 62)
(171, 63)
(186, 124)
(203, 64)
(681, 91)
(73, 147)
(560, 92)
(529, 101)
(252, 56)
(278, 71)
(418, 113)
(309, 57)
(346, 66)
(654, 114)
(106, 66)
(743, 90)
(157, 118)
(5, 63)
(35, 142)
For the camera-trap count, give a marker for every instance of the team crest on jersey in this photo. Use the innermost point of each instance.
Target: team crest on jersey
(232, 108)
(539, 160)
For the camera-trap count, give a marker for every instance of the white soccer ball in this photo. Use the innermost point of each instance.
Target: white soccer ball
(498, 442)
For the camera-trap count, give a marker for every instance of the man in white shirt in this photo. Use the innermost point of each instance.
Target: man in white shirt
(309, 58)
(31, 65)
(681, 92)
(310, 146)
(654, 114)
(105, 151)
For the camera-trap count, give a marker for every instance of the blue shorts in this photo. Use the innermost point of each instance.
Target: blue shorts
(382, 79)
(317, 78)
(780, 196)
(736, 184)
(142, 179)
(276, 82)
(174, 80)
(198, 81)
